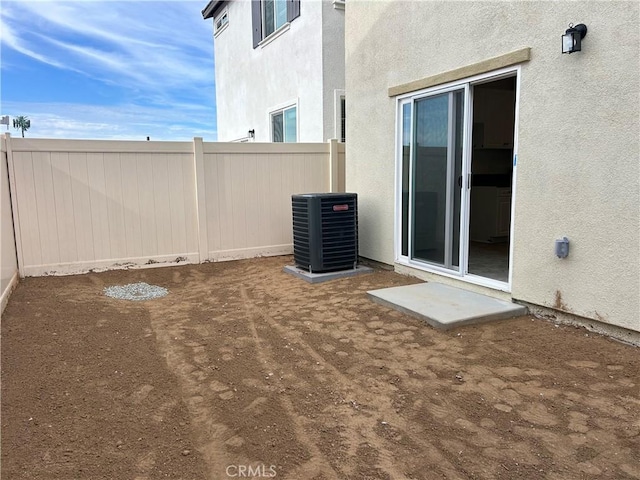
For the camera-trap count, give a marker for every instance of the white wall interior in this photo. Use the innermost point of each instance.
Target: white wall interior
(578, 172)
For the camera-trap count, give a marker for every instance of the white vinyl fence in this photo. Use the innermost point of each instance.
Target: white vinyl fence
(86, 204)
(8, 258)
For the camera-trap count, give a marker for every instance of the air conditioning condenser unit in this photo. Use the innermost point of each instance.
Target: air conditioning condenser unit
(325, 231)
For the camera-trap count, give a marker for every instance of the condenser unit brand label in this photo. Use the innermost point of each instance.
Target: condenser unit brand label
(340, 208)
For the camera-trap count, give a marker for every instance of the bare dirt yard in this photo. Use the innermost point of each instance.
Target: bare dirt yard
(243, 371)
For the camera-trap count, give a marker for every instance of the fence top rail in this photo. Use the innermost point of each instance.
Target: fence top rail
(253, 147)
(97, 146)
(135, 146)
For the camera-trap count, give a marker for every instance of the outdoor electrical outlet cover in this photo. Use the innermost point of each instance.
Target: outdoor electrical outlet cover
(562, 247)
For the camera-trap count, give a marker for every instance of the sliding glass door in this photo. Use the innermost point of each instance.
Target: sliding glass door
(455, 165)
(432, 178)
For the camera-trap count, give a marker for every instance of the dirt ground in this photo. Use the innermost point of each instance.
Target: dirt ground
(243, 371)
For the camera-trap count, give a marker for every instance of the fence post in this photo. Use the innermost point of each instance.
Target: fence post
(334, 166)
(201, 204)
(14, 204)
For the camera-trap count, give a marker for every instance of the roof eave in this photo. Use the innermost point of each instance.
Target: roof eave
(210, 10)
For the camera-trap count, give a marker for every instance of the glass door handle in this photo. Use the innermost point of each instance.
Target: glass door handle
(468, 180)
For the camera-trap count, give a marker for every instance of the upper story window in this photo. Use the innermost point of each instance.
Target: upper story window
(270, 15)
(274, 15)
(284, 125)
(220, 21)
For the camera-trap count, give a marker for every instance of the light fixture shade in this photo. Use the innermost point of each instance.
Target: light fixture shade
(567, 43)
(572, 38)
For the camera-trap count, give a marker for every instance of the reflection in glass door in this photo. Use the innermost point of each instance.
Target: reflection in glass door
(436, 179)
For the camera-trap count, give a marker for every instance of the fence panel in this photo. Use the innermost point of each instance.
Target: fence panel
(248, 195)
(9, 254)
(342, 164)
(84, 205)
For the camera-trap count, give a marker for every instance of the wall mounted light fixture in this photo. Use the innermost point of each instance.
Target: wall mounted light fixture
(251, 134)
(572, 38)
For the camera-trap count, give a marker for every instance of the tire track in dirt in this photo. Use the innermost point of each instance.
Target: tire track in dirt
(365, 426)
(220, 440)
(193, 380)
(321, 353)
(516, 399)
(317, 464)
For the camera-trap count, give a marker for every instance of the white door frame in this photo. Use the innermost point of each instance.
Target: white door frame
(401, 100)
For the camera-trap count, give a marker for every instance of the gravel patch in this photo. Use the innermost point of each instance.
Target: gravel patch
(135, 291)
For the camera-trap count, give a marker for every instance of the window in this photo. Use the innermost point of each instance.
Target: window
(220, 22)
(274, 15)
(284, 125)
(268, 16)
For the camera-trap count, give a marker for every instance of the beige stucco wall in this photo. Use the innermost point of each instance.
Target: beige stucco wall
(578, 157)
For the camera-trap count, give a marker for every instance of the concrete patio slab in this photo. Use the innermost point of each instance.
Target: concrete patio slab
(325, 277)
(443, 306)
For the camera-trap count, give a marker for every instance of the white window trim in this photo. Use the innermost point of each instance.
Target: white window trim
(276, 33)
(406, 261)
(267, 40)
(281, 108)
(218, 31)
(337, 112)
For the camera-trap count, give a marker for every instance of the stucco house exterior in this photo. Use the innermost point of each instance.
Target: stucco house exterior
(476, 147)
(279, 69)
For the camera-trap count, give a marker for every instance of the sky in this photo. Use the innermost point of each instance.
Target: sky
(105, 69)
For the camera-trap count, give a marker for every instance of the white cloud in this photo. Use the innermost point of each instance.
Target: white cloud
(119, 122)
(9, 39)
(156, 44)
(157, 54)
